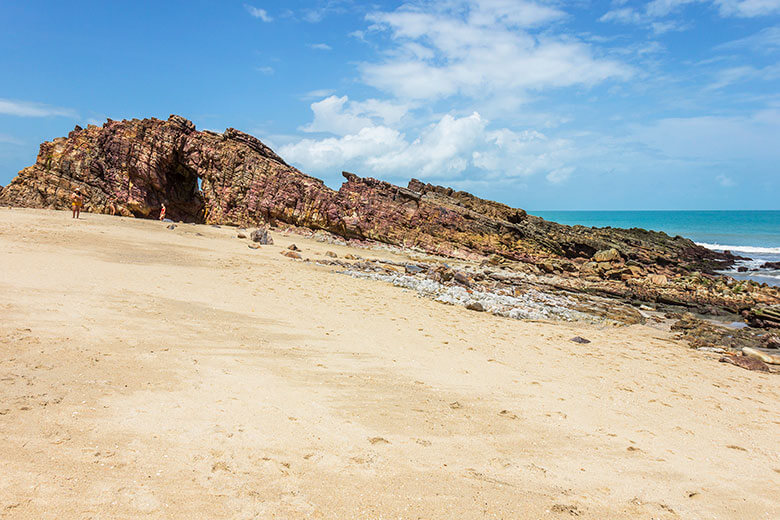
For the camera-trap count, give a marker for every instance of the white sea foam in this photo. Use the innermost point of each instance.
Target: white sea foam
(741, 249)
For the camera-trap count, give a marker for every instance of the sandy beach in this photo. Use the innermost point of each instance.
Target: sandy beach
(156, 373)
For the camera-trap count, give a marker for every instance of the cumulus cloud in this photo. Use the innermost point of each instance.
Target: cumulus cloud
(338, 115)
(444, 149)
(32, 109)
(321, 47)
(478, 49)
(258, 13)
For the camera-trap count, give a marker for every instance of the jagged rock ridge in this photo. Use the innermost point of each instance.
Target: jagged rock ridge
(136, 165)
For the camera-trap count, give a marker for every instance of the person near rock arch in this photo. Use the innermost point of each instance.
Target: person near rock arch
(162, 212)
(76, 202)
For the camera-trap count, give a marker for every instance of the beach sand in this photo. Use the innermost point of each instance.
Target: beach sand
(156, 373)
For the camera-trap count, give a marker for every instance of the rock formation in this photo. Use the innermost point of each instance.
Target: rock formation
(132, 167)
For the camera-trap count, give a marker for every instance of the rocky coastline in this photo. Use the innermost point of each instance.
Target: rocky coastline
(472, 251)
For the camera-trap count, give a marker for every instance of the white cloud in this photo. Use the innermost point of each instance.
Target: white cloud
(31, 109)
(657, 9)
(265, 70)
(560, 175)
(766, 40)
(258, 13)
(444, 149)
(319, 93)
(339, 116)
(623, 15)
(321, 46)
(743, 73)
(748, 8)
(479, 49)
(725, 181)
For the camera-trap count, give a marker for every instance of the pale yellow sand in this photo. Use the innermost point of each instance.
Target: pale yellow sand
(154, 373)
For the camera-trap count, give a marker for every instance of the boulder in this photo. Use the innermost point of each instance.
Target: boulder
(607, 255)
(261, 236)
(745, 362)
(476, 306)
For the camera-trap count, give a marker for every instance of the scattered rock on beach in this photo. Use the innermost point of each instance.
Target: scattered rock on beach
(261, 237)
(252, 245)
(476, 306)
(172, 226)
(241, 234)
(579, 339)
(293, 247)
(746, 362)
(291, 254)
(331, 254)
(761, 356)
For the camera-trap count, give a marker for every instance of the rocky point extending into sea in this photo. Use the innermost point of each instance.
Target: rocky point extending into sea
(470, 251)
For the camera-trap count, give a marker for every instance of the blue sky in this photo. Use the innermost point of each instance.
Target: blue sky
(667, 104)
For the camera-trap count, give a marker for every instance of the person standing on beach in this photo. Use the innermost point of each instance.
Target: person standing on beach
(162, 212)
(76, 202)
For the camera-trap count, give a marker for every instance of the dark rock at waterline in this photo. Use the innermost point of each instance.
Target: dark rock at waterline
(771, 265)
(763, 317)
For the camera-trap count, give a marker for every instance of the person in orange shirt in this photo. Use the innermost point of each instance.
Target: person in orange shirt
(76, 202)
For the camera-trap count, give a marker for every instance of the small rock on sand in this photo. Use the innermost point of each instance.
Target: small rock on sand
(293, 247)
(476, 306)
(579, 339)
(261, 237)
(254, 246)
(745, 362)
(291, 254)
(331, 254)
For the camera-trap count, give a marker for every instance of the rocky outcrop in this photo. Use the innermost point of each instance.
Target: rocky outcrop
(132, 167)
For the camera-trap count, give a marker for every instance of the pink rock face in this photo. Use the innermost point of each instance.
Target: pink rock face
(132, 165)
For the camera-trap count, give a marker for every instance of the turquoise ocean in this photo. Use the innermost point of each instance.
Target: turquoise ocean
(752, 234)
